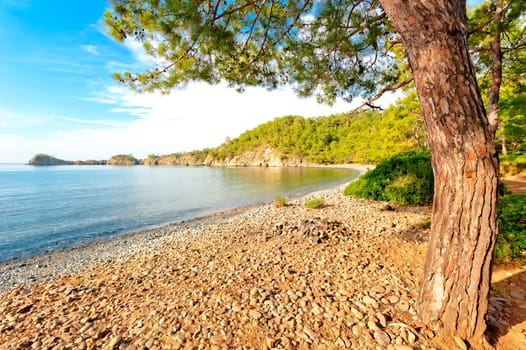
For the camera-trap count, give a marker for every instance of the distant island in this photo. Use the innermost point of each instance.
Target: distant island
(42, 159)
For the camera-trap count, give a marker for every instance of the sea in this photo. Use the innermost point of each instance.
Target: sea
(45, 209)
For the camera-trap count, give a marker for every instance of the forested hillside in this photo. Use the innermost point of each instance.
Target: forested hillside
(367, 137)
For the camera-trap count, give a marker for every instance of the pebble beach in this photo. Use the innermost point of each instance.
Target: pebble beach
(344, 276)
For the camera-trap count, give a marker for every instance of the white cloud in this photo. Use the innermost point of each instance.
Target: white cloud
(202, 115)
(102, 100)
(193, 118)
(91, 49)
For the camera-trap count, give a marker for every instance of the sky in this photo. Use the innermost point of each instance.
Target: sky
(57, 95)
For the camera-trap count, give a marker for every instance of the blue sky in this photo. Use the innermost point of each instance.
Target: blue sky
(57, 95)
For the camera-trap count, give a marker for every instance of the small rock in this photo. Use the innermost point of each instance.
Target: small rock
(309, 333)
(357, 314)
(114, 342)
(411, 337)
(403, 306)
(382, 338)
(372, 326)
(381, 319)
(393, 299)
(255, 314)
(316, 309)
(370, 301)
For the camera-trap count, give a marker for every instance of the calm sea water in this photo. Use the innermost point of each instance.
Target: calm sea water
(48, 208)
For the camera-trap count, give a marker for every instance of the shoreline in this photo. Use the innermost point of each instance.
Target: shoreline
(76, 259)
(73, 260)
(41, 267)
(226, 280)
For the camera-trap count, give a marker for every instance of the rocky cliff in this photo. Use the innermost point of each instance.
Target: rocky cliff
(258, 157)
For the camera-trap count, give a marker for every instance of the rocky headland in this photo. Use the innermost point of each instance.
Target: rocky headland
(341, 277)
(42, 159)
(258, 157)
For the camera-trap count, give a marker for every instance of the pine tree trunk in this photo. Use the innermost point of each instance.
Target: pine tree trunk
(496, 71)
(455, 287)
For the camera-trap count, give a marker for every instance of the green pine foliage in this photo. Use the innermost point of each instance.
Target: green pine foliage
(368, 137)
(406, 178)
(511, 241)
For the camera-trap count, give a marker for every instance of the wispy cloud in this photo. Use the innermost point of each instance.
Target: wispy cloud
(101, 100)
(92, 49)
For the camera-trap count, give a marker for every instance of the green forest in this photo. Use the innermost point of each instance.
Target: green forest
(368, 137)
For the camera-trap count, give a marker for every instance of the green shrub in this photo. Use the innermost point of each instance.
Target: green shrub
(280, 202)
(511, 241)
(314, 203)
(406, 178)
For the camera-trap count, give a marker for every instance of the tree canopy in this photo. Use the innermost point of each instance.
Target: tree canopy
(330, 48)
(512, 28)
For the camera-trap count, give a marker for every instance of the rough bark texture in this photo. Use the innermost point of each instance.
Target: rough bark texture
(496, 71)
(456, 283)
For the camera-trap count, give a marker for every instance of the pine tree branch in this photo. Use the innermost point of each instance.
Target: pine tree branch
(370, 100)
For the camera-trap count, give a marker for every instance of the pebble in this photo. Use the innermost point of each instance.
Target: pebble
(263, 276)
(114, 342)
(370, 301)
(382, 338)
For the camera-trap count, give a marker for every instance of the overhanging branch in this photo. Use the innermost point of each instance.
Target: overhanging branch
(370, 100)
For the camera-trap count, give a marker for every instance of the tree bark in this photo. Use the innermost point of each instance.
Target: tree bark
(496, 71)
(456, 283)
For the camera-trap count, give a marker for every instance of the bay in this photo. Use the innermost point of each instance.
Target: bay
(44, 209)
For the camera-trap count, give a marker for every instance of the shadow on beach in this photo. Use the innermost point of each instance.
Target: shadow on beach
(507, 309)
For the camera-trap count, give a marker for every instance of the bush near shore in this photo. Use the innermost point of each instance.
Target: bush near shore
(407, 179)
